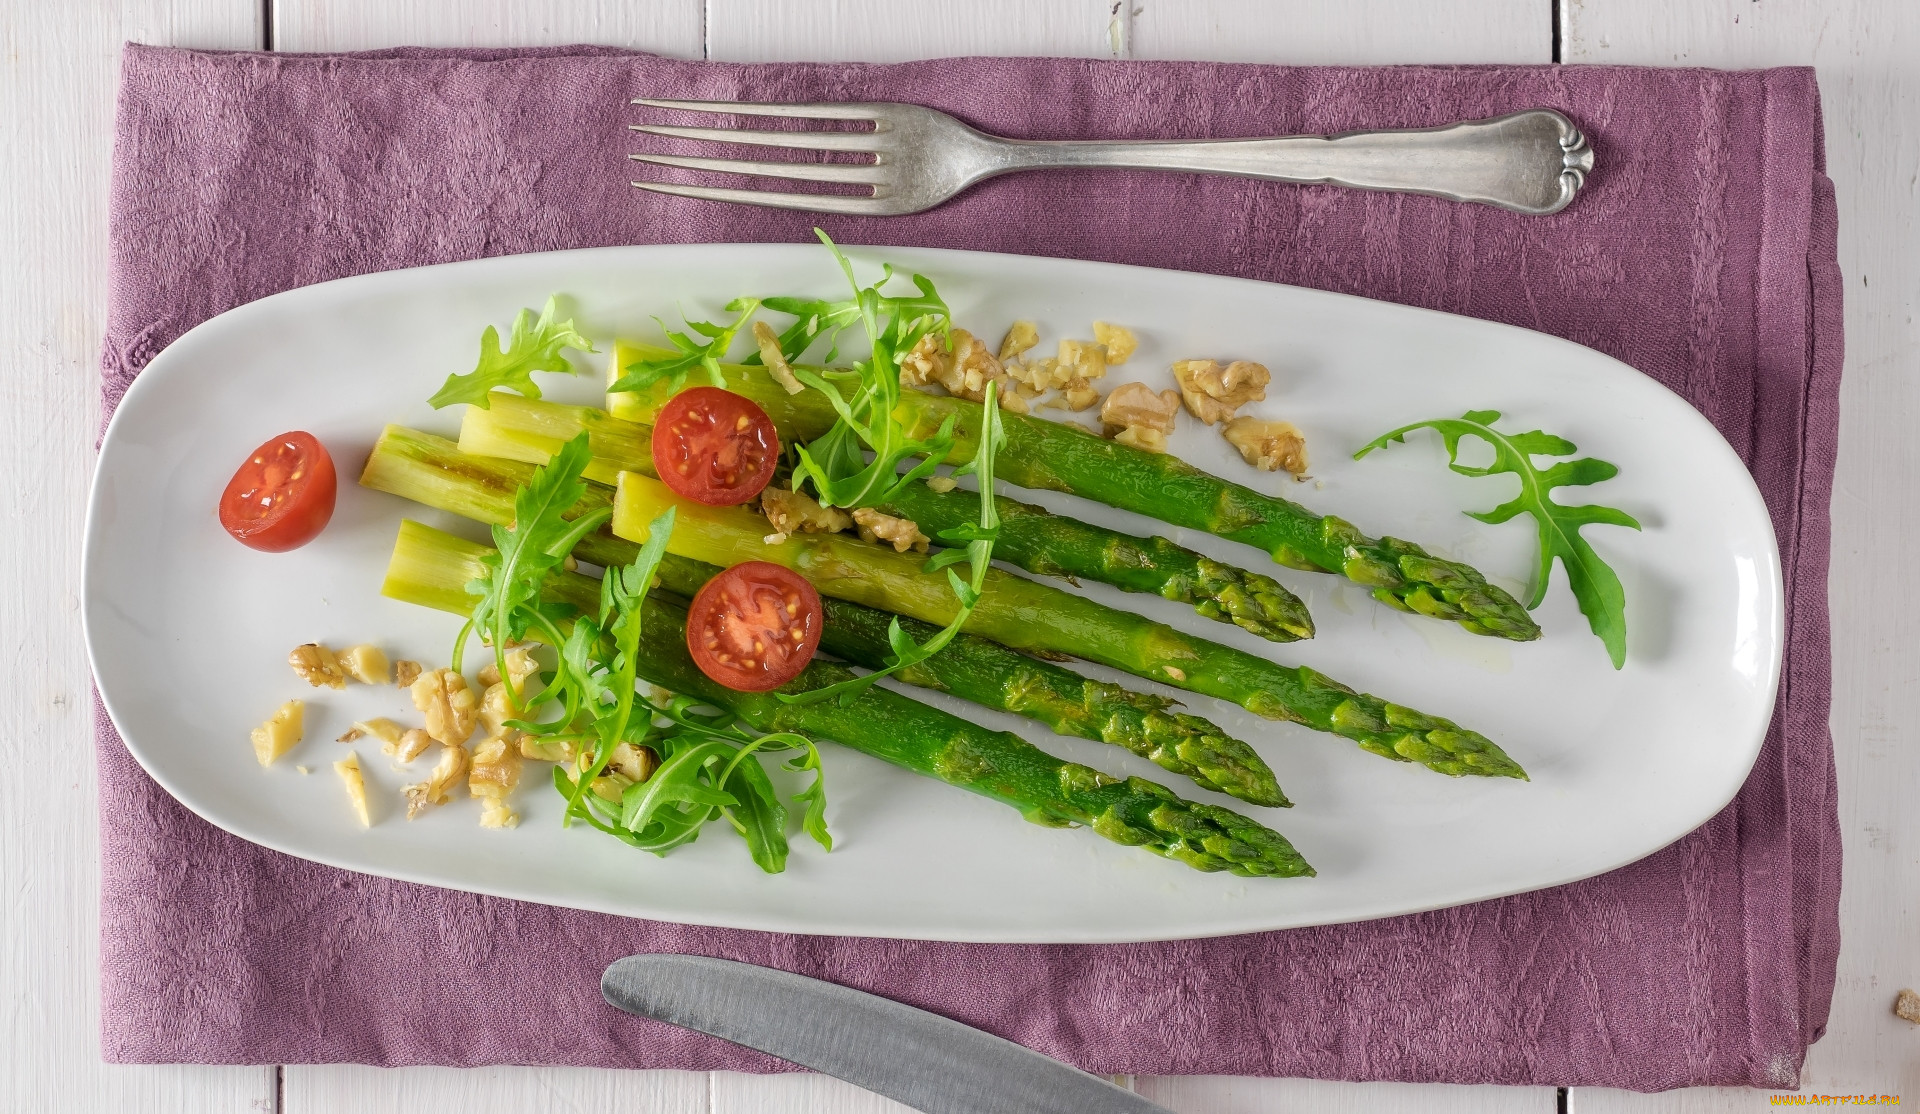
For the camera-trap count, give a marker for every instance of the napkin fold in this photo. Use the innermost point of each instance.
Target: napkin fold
(1702, 252)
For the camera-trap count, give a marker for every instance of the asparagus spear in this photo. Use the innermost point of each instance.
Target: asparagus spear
(432, 568)
(1030, 537)
(431, 470)
(1038, 618)
(1060, 456)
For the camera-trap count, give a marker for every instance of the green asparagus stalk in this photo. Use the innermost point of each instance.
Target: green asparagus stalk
(1040, 619)
(1030, 537)
(432, 471)
(432, 568)
(1060, 456)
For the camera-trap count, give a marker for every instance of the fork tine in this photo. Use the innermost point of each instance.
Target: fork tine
(812, 202)
(849, 111)
(865, 173)
(802, 141)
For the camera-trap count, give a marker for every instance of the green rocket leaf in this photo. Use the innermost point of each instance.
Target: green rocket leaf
(1595, 586)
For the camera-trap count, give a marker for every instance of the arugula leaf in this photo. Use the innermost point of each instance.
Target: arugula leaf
(623, 596)
(535, 346)
(526, 551)
(814, 821)
(834, 463)
(1595, 586)
(689, 354)
(978, 555)
(757, 813)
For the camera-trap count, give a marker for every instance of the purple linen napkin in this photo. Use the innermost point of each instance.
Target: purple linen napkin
(1702, 253)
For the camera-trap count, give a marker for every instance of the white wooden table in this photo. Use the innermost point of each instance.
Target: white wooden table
(57, 62)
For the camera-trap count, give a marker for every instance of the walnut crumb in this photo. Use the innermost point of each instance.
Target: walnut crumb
(902, 533)
(1907, 1005)
(318, 666)
(349, 770)
(365, 664)
(1268, 445)
(1021, 335)
(774, 359)
(1214, 393)
(444, 698)
(405, 672)
(942, 484)
(433, 791)
(1118, 340)
(1135, 415)
(795, 512)
(280, 732)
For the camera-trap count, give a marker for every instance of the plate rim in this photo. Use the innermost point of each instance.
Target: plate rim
(751, 919)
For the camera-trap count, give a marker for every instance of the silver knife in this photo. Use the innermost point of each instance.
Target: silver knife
(929, 1062)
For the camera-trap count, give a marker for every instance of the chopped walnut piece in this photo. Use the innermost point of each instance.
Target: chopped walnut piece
(443, 696)
(1907, 1005)
(796, 512)
(1079, 397)
(902, 533)
(1118, 340)
(318, 666)
(496, 710)
(349, 770)
(1086, 359)
(942, 484)
(1021, 335)
(497, 813)
(494, 771)
(281, 731)
(1134, 415)
(365, 664)
(412, 744)
(636, 764)
(958, 362)
(1213, 393)
(1013, 402)
(610, 787)
(774, 359)
(433, 791)
(405, 672)
(520, 666)
(380, 727)
(1268, 446)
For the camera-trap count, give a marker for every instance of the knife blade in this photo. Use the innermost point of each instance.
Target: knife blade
(931, 1063)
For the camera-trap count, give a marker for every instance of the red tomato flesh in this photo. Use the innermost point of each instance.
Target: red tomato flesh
(282, 497)
(754, 627)
(714, 446)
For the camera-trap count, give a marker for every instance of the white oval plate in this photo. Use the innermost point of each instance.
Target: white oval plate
(189, 631)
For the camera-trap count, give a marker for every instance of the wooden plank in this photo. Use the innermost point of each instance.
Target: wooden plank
(58, 84)
(495, 1090)
(1297, 31)
(661, 26)
(1225, 1094)
(795, 1093)
(889, 31)
(1345, 32)
(1865, 52)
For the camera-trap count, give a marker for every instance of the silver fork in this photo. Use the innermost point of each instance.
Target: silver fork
(1529, 162)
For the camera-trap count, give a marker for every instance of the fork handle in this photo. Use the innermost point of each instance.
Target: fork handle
(1529, 162)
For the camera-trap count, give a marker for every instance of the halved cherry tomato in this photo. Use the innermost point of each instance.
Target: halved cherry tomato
(714, 446)
(282, 497)
(754, 627)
